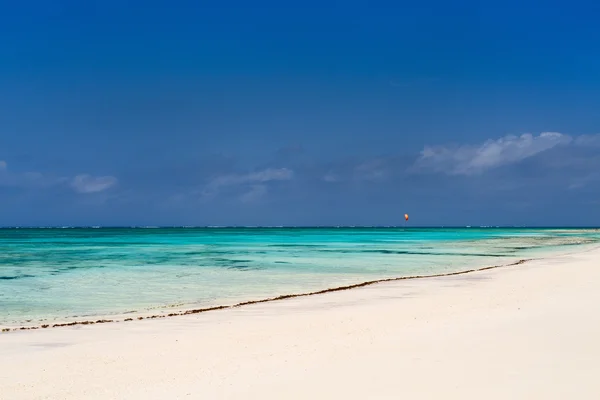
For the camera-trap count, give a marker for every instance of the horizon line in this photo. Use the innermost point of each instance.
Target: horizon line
(297, 226)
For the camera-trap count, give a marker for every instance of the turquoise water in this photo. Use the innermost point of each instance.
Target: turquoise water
(60, 274)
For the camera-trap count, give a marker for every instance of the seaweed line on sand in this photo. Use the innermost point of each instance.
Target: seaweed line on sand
(282, 297)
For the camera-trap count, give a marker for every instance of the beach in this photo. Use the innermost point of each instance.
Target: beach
(521, 332)
(56, 276)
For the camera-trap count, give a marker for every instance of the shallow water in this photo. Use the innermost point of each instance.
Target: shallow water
(57, 274)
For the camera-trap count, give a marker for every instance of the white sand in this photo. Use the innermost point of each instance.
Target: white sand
(526, 332)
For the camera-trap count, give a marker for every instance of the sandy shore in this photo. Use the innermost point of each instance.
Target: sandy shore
(529, 331)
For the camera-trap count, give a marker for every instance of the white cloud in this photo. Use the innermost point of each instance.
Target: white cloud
(471, 160)
(269, 174)
(84, 183)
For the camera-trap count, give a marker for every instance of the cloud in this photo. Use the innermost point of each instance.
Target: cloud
(254, 194)
(84, 183)
(256, 180)
(30, 179)
(581, 181)
(269, 174)
(588, 140)
(473, 160)
(331, 177)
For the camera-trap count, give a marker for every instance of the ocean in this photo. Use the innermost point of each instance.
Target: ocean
(49, 275)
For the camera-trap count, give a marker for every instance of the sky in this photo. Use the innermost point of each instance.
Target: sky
(299, 113)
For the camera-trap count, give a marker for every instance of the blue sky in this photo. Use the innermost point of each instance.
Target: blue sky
(307, 113)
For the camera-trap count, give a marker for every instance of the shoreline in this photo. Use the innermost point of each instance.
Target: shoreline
(105, 319)
(138, 316)
(520, 333)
